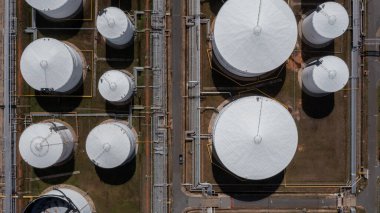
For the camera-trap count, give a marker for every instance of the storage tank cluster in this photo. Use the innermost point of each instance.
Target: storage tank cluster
(57, 9)
(51, 65)
(254, 137)
(62, 199)
(115, 26)
(51, 143)
(253, 37)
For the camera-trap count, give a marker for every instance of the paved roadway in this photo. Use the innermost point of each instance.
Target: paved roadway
(179, 200)
(368, 197)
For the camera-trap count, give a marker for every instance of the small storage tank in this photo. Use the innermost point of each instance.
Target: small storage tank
(254, 137)
(56, 9)
(62, 199)
(325, 75)
(47, 144)
(111, 144)
(51, 65)
(327, 22)
(115, 26)
(253, 37)
(116, 86)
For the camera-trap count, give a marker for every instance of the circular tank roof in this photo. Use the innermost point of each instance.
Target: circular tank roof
(112, 22)
(255, 36)
(56, 201)
(46, 63)
(331, 75)
(47, 4)
(331, 21)
(114, 85)
(40, 146)
(255, 137)
(108, 145)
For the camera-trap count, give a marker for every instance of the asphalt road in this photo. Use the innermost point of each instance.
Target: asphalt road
(179, 200)
(368, 197)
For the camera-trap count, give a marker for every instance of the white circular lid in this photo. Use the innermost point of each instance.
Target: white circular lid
(112, 22)
(255, 137)
(108, 145)
(40, 146)
(46, 63)
(78, 200)
(46, 4)
(331, 21)
(331, 75)
(255, 36)
(114, 85)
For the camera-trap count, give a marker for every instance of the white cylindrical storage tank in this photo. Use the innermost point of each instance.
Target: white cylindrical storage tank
(325, 75)
(114, 25)
(46, 144)
(111, 144)
(51, 65)
(116, 86)
(57, 9)
(327, 22)
(61, 200)
(253, 37)
(254, 137)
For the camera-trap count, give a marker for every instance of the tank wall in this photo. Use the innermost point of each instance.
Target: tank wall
(132, 139)
(308, 81)
(131, 89)
(124, 38)
(67, 10)
(77, 73)
(310, 34)
(68, 139)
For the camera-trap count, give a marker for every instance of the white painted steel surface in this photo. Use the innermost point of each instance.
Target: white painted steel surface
(326, 24)
(56, 9)
(41, 146)
(252, 37)
(116, 86)
(111, 144)
(329, 76)
(255, 137)
(78, 200)
(49, 63)
(113, 24)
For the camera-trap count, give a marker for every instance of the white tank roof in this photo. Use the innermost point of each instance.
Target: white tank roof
(56, 9)
(42, 147)
(255, 137)
(110, 144)
(252, 37)
(115, 86)
(49, 63)
(78, 200)
(331, 21)
(112, 23)
(330, 75)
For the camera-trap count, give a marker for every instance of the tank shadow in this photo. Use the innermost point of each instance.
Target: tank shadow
(56, 174)
(118, 175)
(317, 107)
(242, 189)
(120, 58)
(60, 103)
(123, 5)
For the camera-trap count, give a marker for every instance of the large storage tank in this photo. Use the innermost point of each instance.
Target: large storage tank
(51, 65)
(111, 144)
(325, 75)
(114, 25)
(62, 199)
(116, 86)
(254, 137)
(56, 9)
(46, 144)
(327, 22)
(253, 37)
